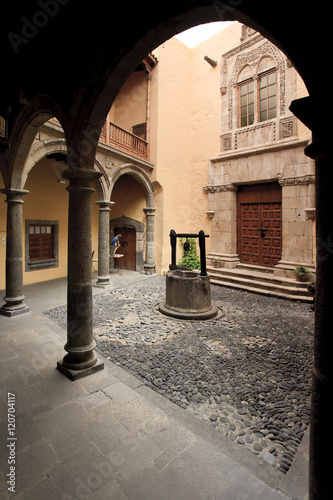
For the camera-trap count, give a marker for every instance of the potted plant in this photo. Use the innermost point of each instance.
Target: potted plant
(217, 262)
(301, 273)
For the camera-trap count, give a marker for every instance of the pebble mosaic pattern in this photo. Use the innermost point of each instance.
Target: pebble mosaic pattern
(247, 374)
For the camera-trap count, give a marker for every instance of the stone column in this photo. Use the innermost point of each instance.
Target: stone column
(80, 359)
(321, 437)
(14, 266)
(103, 279)
(149, 265)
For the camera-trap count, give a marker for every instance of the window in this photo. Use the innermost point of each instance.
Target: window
(246, 103)
(41, 244)
(267, 96)
(257, 102)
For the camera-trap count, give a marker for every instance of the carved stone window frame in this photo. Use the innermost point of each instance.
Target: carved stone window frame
(252, 58)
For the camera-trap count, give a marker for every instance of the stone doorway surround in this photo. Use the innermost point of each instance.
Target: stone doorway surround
(298, 198)
(128, 222)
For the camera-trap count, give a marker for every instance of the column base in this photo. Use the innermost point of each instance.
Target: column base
(149, 269)
(102, 282)
(81, 373)
(14, 306)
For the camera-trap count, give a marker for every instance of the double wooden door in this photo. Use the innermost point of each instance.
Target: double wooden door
(259, 224)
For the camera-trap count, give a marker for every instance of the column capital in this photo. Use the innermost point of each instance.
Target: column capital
(83, 174)
(14, 194)
(104, 205)
(149, 210)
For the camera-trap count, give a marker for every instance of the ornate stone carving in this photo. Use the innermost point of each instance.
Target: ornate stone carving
(287, 127)
(220, 188)
(252, 58)
(296, 181)
(257, 134)
(247, 32)
(226, 142)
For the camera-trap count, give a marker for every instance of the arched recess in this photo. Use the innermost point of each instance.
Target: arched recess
(144, 233)
(140, 176)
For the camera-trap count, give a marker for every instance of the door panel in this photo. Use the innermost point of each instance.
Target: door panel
(127, 248)
(260, 225)
(271, 236)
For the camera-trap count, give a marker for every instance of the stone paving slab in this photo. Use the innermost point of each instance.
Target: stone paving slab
(109, 436)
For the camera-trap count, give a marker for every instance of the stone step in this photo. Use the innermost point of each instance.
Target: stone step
(254, 274)
(264, 282)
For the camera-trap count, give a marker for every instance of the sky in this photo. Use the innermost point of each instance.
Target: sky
(198, 34)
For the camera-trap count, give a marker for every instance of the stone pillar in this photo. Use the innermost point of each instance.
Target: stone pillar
(321, 437)
(297, 194)
(149, 265)
(14, 266)
(80, 359)
(223, 202)
(103, 279)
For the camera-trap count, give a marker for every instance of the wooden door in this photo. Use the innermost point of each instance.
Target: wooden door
(127, 248)
(259, 224)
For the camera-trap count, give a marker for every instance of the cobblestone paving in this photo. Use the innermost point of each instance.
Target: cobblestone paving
(247, 374)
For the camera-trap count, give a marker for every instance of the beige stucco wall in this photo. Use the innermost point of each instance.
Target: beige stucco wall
(170, 147)
(129, 199)
(185, 133)
(130, 106)
(47, 200)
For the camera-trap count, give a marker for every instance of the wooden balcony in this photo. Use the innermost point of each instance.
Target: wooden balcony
(124, 140)
(121, 139)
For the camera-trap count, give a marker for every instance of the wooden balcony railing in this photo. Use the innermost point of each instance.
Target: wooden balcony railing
(122, 139)
(126, 141)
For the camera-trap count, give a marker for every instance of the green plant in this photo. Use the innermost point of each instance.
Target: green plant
(299, 270)
(189, 258)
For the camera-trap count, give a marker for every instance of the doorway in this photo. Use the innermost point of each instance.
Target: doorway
(127, 248)
(259, 224)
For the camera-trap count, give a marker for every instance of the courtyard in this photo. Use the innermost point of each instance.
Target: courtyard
(247, 374)
(158, 422)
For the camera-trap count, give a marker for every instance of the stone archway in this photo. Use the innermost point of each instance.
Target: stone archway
(142, 239)
(141, 177)
(139, 234)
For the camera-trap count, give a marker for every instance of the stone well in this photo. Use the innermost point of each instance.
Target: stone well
(188, 296)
